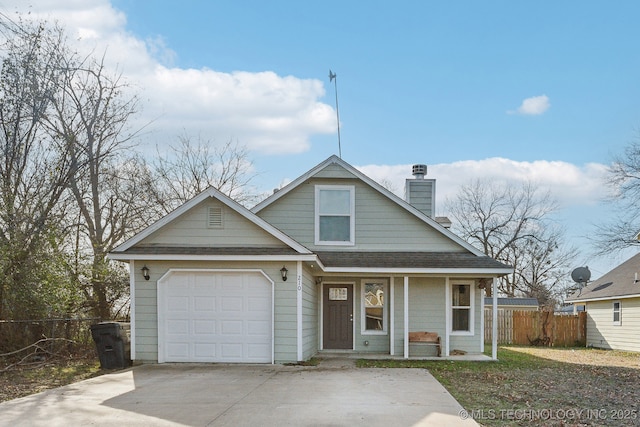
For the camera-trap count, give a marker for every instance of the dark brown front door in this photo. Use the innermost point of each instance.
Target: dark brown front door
(338, 317)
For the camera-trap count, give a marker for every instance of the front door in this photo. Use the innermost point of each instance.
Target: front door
(337, 317)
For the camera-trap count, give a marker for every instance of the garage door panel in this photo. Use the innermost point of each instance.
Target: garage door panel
(204, 303)
(204, 327)
(232, 327)
(255, 351)
(231, 304)
(175, 303)
(204, 350)
(231, 351)
(258, 328)
(216, 317)
(178, 351)
(177, 327)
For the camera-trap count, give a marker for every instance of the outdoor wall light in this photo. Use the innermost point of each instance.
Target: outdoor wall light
(284, 272)
(145, 272)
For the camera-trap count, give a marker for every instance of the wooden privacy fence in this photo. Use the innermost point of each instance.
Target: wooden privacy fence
(537, 328)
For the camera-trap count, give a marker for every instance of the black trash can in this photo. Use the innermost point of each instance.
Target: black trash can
(113, 344)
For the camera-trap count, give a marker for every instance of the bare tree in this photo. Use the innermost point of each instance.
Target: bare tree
(622, 229)
(92, 112)
(512, 224)
(34, 169)
(189, 168)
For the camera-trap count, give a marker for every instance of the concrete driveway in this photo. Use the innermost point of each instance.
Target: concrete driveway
(243, 395)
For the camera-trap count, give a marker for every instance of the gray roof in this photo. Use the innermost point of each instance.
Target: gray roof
(351, 259)
(516, 302)
(459, 260)
(619, 282)
(569, 309)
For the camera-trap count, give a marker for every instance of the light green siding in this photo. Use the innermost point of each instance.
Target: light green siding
(191, 228)
(146, 314)
(380, 224)
(603, 333)
(310, 304)
(398, 315)
(426, 311)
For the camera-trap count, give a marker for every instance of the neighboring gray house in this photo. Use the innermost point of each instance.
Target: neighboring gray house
(524, 304)
(331, 262)
(612, 304)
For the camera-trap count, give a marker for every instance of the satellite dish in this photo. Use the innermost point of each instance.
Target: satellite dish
(581, 275)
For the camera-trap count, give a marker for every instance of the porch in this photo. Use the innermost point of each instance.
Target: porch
(335, 357)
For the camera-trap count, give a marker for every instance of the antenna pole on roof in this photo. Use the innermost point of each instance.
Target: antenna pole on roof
(333, 78)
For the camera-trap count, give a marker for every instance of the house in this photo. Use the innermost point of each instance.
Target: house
(612, 304)
(569, 310)
(521, 304)
(331, 262)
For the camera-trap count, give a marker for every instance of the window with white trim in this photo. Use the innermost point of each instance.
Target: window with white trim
(462, 300)
(335, 215)
(374, 311)
(617, 308)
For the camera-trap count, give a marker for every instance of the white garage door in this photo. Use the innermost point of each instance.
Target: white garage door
(209, 316)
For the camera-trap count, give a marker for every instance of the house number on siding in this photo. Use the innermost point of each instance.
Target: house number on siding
(299, 283)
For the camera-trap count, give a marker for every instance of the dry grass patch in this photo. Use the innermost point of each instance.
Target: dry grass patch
(25, 380)
(584, 356)
(542, 386)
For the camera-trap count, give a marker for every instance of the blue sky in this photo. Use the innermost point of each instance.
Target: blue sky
(431, 78)
(545, 91)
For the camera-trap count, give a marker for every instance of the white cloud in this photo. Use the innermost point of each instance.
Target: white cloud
(533, 106)
(570, 185)
(264, 111)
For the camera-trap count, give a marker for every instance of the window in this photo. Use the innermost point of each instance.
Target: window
(335, 215)
(462, 308)
(616, 313)
(374, 316)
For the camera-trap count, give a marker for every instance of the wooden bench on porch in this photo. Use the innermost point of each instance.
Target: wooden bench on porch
(425, 338)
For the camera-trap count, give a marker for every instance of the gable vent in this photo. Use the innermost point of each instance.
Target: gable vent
(214, 217)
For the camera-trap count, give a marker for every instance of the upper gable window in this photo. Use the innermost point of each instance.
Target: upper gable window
(335, 215)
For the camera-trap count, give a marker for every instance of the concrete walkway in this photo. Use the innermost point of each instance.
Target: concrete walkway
(333, 393)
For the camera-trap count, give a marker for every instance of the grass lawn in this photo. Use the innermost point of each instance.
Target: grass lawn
(541, 386)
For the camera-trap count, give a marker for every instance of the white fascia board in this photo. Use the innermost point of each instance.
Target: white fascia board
(399, 201)
(617, 297)
(401, 271)
(185, 257)
(213, 193)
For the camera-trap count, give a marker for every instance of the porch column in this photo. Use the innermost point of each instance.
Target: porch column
(406, 317)
(132, 307)
(299, 309)
(392, 310)
(494, 324)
